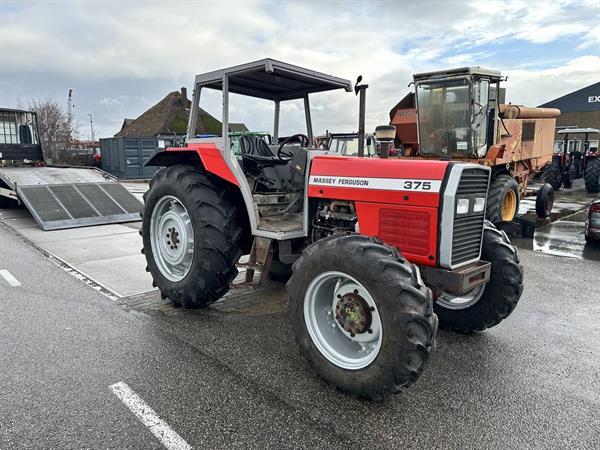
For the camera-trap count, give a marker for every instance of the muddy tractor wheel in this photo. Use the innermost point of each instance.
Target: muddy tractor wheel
(544, 201)
(503, 199)
(191, 236)
(553, 174)
(487, 305)
(592, 175)
(361, 315)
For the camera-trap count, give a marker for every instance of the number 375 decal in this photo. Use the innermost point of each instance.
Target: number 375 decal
(415, 185)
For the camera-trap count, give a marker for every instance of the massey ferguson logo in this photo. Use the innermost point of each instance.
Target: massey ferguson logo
(594, 99)
(388, 184)
(340, 181)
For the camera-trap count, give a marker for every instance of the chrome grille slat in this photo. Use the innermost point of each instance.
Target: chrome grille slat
(468, 230)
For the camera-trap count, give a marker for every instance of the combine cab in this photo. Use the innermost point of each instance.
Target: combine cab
(459, 115)
(57, 197)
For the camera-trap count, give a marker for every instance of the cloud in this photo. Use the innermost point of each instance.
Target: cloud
(122, 57)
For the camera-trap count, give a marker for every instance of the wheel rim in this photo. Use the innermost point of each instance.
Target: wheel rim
(463, 301)
(343, 320)
(509, 206)
(172, 238)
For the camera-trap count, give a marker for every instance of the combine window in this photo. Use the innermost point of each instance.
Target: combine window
(528, 133)
(444, 112)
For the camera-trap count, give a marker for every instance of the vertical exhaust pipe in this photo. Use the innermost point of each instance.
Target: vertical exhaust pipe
(361, 91)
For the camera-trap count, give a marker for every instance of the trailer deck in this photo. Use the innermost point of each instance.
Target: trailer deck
(60, 197)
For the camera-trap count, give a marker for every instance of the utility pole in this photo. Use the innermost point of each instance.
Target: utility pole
(70, 105)
(91, 126)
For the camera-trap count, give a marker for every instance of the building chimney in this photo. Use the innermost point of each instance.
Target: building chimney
(184, 93)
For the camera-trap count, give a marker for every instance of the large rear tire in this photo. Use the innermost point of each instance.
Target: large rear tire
(490, 304)
(361, 315)
(592, 175)
(191, 235)
(553, 174)
(503, 199)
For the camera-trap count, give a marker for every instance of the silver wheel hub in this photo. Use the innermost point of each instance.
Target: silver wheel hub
(343, 320)
(172, 238)
(461, 301)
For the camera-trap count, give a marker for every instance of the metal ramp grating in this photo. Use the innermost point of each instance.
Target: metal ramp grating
(80, 204)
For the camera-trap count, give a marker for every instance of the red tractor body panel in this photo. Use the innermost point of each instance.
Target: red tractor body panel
(211, 158)
(396, 200)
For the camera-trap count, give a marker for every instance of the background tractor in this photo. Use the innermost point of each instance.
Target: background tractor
(460, 114)
(571, 162)
(382, 249)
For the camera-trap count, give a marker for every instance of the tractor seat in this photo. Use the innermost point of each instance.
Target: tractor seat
(257, 150)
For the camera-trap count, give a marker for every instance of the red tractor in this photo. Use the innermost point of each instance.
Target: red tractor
(381, 250)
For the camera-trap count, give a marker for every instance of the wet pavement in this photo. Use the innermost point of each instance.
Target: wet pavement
(231, 376)
(562, 234)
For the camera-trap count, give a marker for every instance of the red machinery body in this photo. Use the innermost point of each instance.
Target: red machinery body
(211, 158)
(389, 195)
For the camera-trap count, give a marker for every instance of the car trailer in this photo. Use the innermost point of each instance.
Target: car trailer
(57, 197)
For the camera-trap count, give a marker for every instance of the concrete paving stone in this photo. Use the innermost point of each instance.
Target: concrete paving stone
(9, 213)
(96, 248)
(19, 223)
(38, 235)
(124, 276)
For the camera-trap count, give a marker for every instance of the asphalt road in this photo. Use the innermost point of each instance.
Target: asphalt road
(225, 380)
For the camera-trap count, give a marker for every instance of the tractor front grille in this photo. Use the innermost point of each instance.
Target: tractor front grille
(468, 227)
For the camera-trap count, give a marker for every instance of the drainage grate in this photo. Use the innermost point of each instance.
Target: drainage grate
(79, 204)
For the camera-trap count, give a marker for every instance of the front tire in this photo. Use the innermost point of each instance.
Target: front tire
(191, 236)
(503, 199)
(544, 201)
(361, 316)
(490, 304)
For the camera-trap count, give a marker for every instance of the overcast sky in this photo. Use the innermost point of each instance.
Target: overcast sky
(121, 57)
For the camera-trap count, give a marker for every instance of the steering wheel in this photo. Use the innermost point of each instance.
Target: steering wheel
(286, 156)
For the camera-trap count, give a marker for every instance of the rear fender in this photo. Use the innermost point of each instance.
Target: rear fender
(206, 156)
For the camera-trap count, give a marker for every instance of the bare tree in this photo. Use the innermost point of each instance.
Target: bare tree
(56, 128)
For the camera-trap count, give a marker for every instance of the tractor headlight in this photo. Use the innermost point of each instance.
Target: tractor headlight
(462, 206)
(479, 204)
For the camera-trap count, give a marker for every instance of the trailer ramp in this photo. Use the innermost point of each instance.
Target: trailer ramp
(61, 198)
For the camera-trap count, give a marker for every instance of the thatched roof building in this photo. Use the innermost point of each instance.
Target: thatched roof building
(169, 117)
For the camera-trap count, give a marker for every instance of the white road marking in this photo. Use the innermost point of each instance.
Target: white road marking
(159, 428)
(10, 279)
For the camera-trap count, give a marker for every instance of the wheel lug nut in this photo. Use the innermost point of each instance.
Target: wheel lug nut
(356, 291)
(372, 308)
(352, 335)
(339, 296)
(370, 331)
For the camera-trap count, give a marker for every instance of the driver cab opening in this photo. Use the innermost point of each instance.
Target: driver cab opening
(274, 167)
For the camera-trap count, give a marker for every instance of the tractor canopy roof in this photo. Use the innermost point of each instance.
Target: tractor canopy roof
(461, 71)
(578, 130)
(272, 80)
